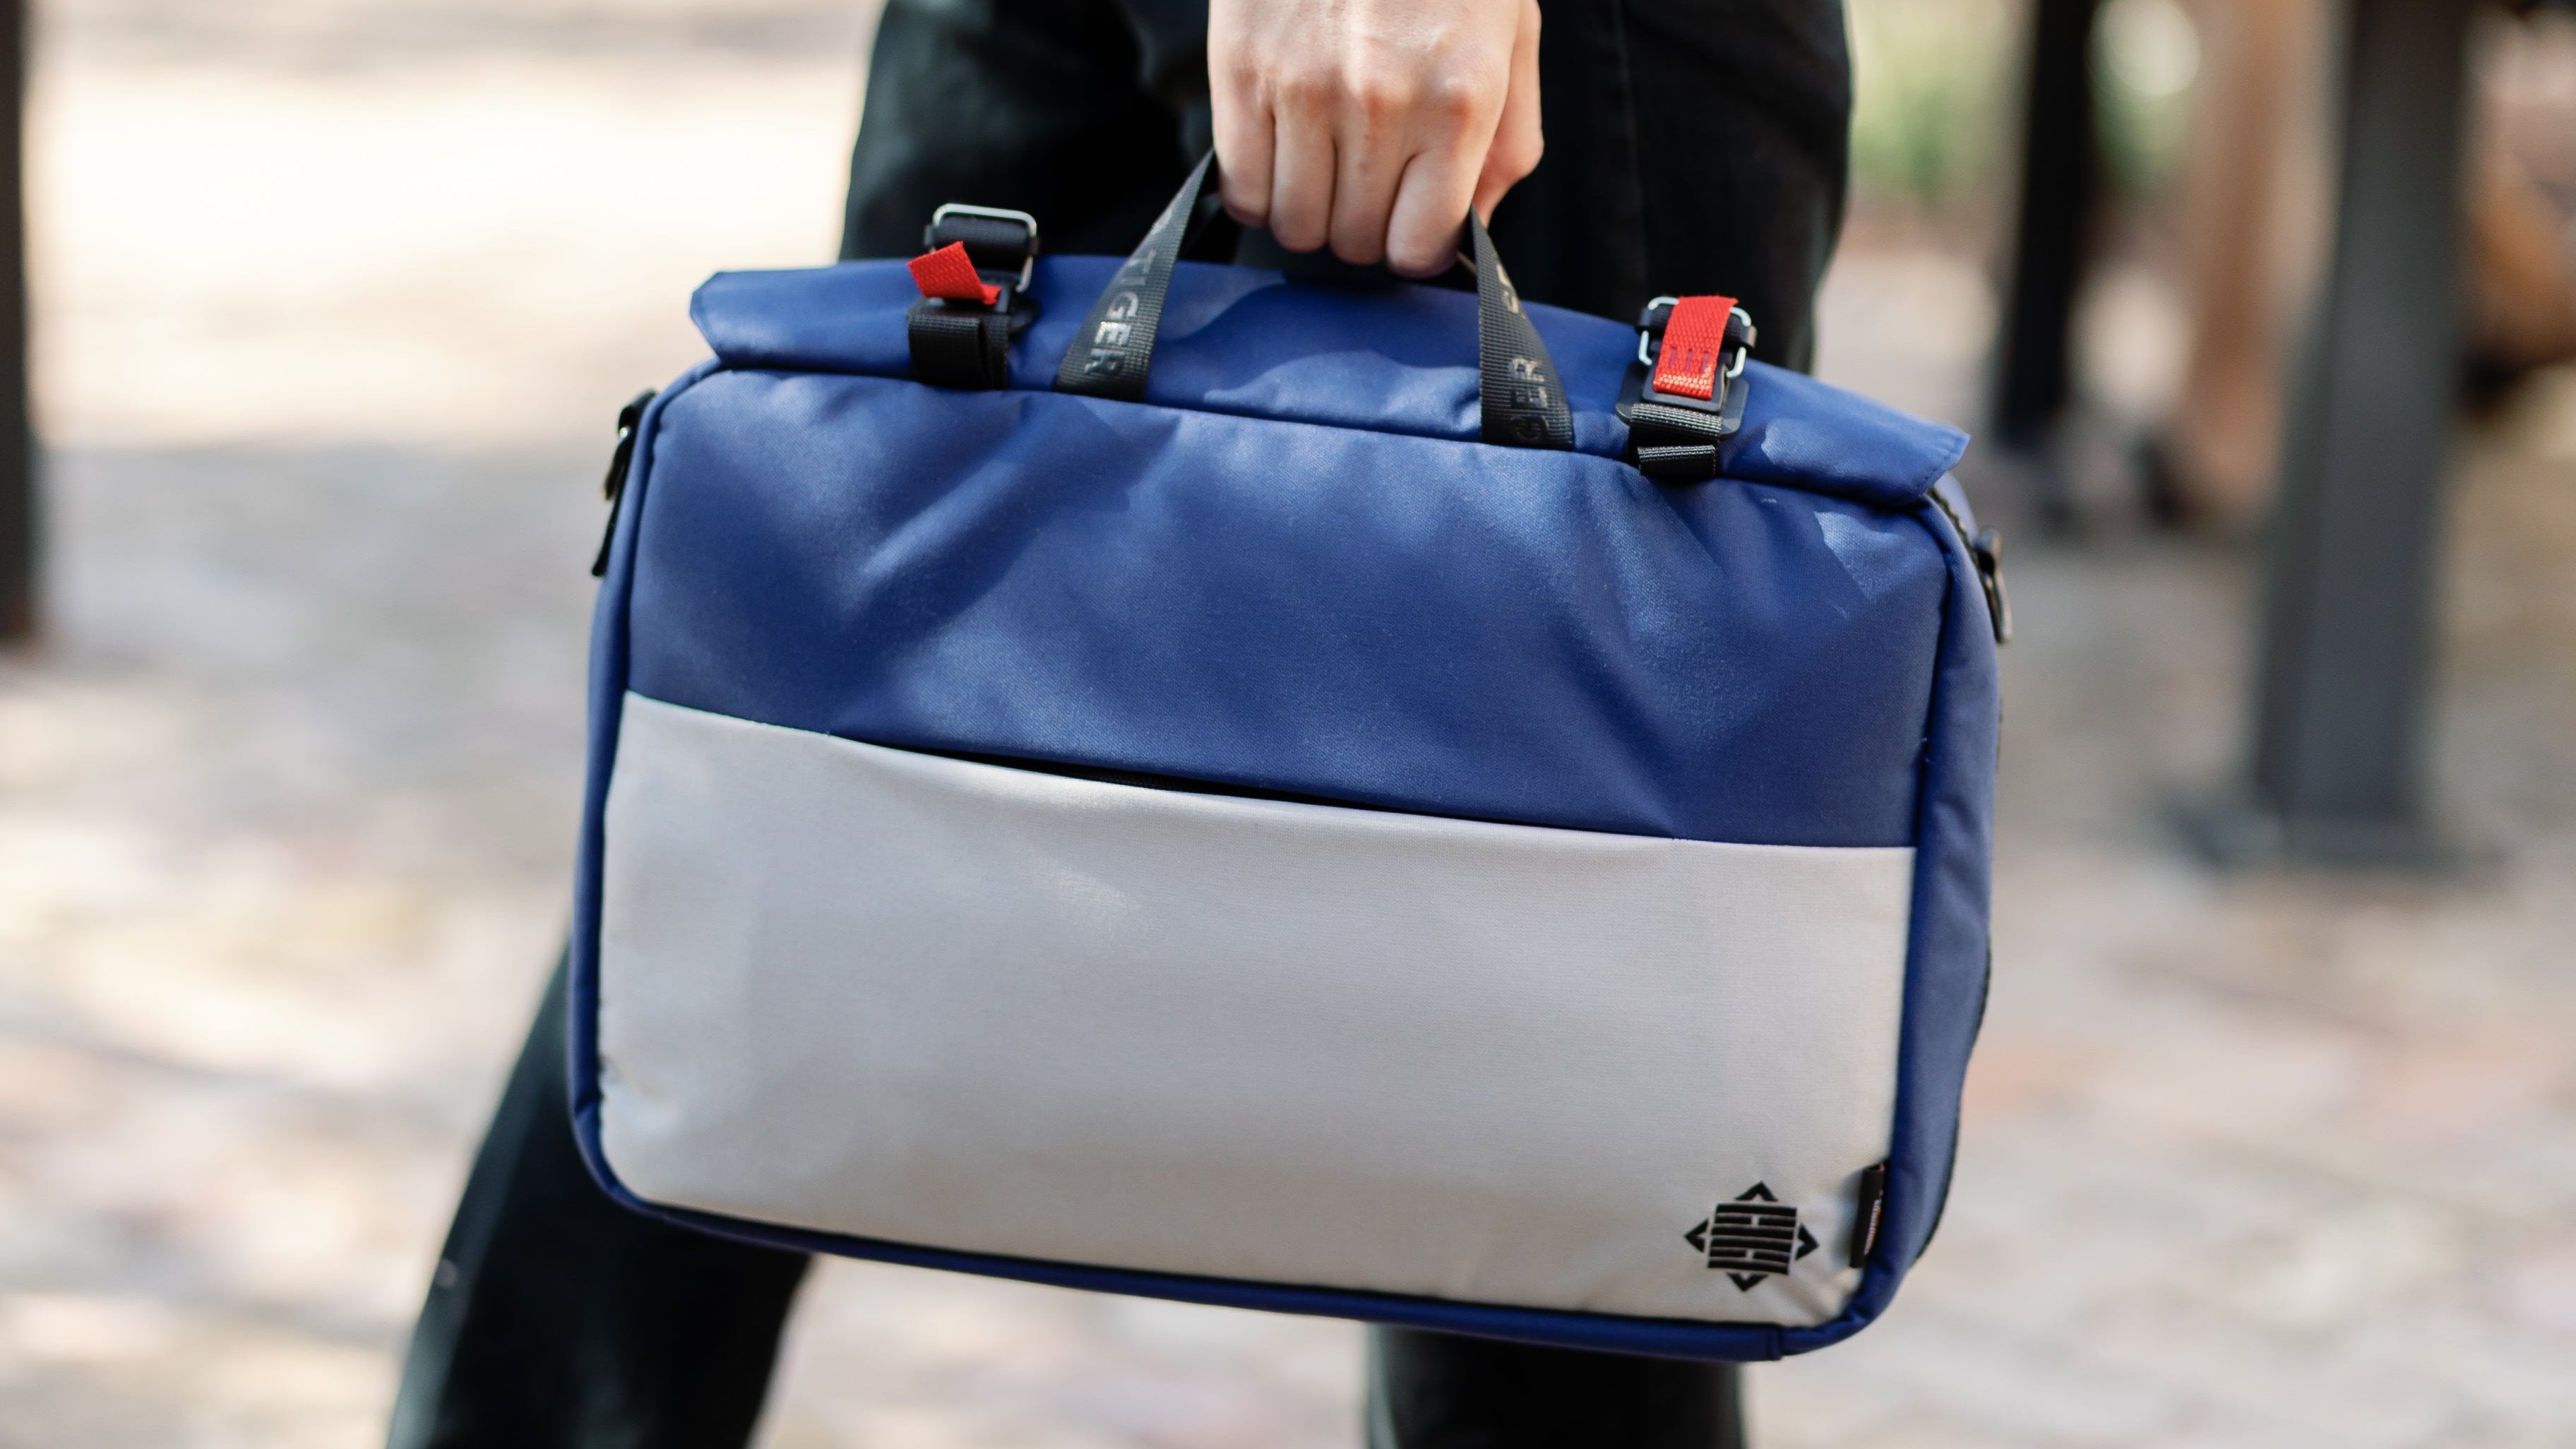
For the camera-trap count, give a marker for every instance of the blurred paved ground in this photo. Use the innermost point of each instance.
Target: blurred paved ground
(336, 297)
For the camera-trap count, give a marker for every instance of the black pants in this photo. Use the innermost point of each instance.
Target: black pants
(1693, 146)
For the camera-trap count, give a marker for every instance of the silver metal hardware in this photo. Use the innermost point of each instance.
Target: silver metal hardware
(1641, 332)
(958, 208)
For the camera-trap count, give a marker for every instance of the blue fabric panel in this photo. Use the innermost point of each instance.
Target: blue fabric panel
(1397, 359)
(1946, 948)
(1802, 433)
(1407, 622)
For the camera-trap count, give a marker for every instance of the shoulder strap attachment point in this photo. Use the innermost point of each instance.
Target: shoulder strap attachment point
(1685, 392)
(973, 275)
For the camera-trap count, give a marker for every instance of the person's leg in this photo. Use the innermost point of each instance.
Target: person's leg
(559, 1320)
(1443, 1391)
(1693, 146)
(1041, 106)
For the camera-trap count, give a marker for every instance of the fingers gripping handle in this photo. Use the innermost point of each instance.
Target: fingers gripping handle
(1523, 401)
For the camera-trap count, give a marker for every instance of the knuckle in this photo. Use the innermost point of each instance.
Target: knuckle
(1454, 99)
(1305, 88)
(1238, 66)
(1382, 96)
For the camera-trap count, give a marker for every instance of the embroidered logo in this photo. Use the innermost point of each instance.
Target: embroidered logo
(1751, 1238)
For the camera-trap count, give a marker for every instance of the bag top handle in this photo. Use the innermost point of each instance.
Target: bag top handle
(1522, 401)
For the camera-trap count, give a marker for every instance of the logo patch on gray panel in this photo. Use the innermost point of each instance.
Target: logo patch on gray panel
(1752, 1238)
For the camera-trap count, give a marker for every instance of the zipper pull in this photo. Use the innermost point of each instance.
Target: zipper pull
(1987, 548)
(1867, 1213)
(613, 488)
(1986, 551)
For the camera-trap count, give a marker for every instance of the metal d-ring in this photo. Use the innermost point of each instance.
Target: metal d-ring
(1028, 264)
(1641, 332)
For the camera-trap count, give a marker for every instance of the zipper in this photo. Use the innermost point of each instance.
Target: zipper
(613, 488)
(1986, 550)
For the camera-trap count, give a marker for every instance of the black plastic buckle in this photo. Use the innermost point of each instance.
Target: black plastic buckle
(1673, 437)
(967, 344)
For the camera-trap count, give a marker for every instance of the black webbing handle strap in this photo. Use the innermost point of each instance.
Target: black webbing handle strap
(1114, 349)
(1522, 400)
(1521, 397)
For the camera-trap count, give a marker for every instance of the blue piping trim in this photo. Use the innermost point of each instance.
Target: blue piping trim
(1952, 863)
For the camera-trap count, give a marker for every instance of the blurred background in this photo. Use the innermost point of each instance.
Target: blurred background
(334, 301)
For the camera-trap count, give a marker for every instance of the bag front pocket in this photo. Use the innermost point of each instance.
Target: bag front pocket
(917, 999)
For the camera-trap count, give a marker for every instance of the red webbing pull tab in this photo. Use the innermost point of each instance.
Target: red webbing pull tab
(949, 274)
(1694, 340)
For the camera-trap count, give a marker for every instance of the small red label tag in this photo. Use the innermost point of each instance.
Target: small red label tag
(1694, 339)
(949, 274)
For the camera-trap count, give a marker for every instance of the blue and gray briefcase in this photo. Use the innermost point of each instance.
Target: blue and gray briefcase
(1172, 779)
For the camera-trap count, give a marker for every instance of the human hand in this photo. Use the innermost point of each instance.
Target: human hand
(1372, 124)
